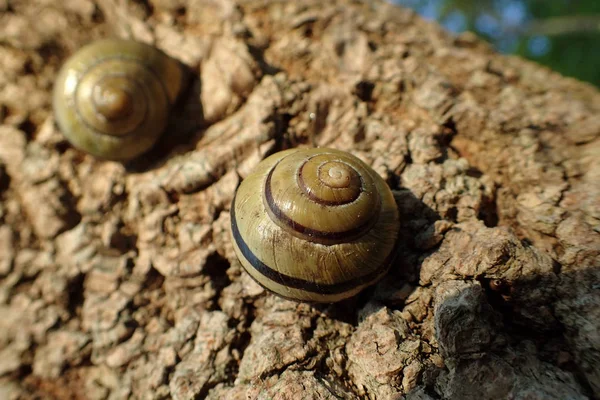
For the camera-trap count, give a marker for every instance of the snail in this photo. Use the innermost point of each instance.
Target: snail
(314, 225)
(112, 97)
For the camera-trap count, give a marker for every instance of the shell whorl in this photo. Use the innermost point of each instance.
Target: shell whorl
(112, 97)
(322, 198)
(314, 225)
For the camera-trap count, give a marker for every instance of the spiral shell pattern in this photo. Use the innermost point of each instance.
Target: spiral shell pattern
(112, 98)
(314, 225)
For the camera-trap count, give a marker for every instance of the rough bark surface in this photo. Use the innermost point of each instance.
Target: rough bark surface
(119, 281)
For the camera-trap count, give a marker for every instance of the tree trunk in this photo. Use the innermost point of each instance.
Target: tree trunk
(120, 280)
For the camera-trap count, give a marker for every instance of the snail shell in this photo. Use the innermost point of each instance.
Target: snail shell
(112, 97)
(315, 225)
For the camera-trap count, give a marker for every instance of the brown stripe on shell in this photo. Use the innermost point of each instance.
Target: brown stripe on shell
(298, 283)
(314, 235)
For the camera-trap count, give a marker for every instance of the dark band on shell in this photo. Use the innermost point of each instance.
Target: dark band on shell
(315, 235)
(290, 281)
(315, 251)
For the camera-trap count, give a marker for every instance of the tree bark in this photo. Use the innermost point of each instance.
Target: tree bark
(120, 281)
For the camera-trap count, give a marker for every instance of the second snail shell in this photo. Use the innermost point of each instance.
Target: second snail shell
(315, 225)
(112, 97)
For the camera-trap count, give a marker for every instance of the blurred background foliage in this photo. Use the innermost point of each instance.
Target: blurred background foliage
(561, 34)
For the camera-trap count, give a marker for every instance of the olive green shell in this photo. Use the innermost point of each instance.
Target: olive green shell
(315, 225)
(112, 97)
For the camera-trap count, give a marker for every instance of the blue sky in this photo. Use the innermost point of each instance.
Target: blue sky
(500, 24)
